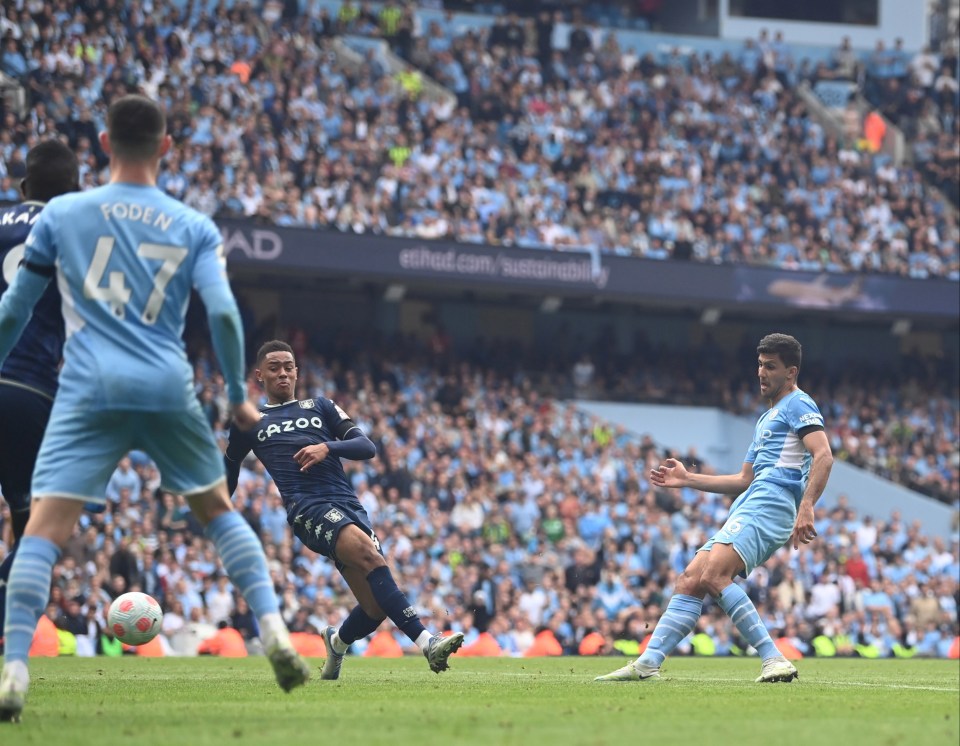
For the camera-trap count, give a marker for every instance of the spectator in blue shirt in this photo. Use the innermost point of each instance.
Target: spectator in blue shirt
(12, 61)
(124, 477)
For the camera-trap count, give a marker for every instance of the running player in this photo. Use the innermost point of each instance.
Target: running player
(126, 257)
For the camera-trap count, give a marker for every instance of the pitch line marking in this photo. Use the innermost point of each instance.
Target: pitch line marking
(874, 684)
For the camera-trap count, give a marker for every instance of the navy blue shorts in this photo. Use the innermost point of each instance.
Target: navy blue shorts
(318, 524)
(24, 414)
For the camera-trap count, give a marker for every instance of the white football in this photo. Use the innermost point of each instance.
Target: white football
(135, 618)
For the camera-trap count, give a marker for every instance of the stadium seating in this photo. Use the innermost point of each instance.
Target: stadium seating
(588, 147)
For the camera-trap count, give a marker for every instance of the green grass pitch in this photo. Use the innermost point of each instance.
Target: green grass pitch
(494, 702)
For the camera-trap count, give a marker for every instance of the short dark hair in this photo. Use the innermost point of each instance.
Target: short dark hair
(136, 126)
(52, 170)
(787, 347)
(274, 345)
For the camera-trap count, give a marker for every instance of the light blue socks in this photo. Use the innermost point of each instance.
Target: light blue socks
(242, 555)
(738, 606)
(28, 591)
(676, 623)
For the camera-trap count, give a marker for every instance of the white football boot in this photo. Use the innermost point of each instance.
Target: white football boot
(440, 649)
(14, 683)
(776, 669)
(635, 671)
(331, 666)
(290, 669)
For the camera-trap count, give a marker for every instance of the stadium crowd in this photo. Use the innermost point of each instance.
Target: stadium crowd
(920, 93)
(528, 525)
(677, 156)
(506, 514)
(902, 424)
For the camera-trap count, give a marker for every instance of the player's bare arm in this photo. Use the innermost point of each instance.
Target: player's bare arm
(817, 444)
(672, 473)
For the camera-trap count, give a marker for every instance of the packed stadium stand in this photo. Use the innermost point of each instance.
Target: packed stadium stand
(668, 155)
(506, 511)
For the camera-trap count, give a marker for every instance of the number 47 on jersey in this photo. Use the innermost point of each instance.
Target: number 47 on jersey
(116, 293)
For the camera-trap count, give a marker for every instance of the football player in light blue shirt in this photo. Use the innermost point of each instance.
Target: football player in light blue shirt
(126, 257)
(784, 473)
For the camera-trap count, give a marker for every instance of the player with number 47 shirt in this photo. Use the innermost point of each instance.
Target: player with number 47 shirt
(126, 257)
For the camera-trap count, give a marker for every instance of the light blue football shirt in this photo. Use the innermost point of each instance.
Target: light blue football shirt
(127, 257)
(777, 453)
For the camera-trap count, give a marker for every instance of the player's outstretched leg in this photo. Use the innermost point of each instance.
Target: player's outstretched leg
(361, 558)
(27, 594)
(242, 555)
(738, 606)
(436, 648)
(356, 626)
(676, 623)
